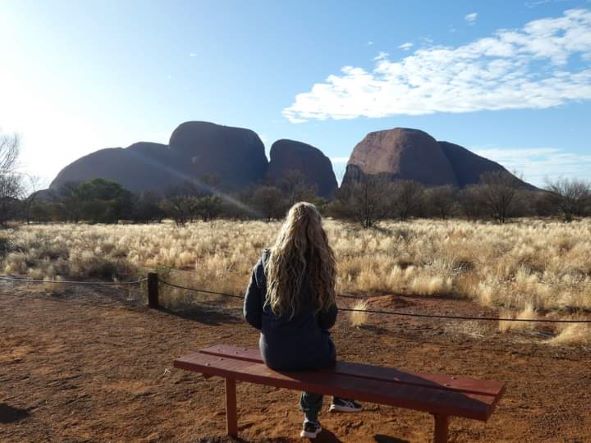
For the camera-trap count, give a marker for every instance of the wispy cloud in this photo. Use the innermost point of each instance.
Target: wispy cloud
(512, 69)
(471, 18)
(192, 54)
(535, 3)
(381, 56)
(539, 164)
(405, 46)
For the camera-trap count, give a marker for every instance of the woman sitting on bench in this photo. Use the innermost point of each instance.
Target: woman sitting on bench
(291, 300)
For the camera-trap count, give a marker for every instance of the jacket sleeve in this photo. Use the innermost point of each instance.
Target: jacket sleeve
(327, 319)
(253, 299)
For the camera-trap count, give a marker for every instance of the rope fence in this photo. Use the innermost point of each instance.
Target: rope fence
(74, 282)
(154, 283)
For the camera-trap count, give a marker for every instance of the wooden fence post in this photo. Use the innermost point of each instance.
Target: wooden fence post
(153, 290)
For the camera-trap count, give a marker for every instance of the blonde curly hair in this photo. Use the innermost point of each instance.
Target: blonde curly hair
(301, 248)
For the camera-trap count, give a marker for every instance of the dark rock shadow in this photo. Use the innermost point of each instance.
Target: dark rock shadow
(9, 414)
(207, 316)
(379, 438)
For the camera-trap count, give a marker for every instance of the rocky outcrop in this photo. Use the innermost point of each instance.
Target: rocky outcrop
(469, 167)
(411, 154)
(233, 156)
(401, 154)
(289, 156)
(198, 151)
(140, 167)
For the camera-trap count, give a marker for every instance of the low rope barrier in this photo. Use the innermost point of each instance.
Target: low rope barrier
(399, 313)
(462, 317)
(73, 282)
(367, 311)
(205, 291)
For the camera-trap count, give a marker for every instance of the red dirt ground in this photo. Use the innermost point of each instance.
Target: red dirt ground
(87, 365)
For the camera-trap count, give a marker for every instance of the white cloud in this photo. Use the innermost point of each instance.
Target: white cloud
(512, 69)
(539, 164)
(381, 56)
(535, 3)
(370, 43)
(406, 46)
(471, 18)
(192, 54)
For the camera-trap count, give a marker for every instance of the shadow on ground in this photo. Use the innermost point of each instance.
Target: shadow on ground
(8, 414)
(379, 438)
(207, 316)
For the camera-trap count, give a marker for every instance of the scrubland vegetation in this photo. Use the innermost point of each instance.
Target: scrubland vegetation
(528, 264)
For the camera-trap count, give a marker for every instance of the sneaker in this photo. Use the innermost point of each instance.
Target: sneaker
(344, 405)
(311, 429)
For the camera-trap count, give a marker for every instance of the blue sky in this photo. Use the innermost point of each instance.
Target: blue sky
(508, 79)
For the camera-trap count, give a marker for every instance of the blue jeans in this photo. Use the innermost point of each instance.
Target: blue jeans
(311, 403)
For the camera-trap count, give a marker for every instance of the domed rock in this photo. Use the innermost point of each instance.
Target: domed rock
(315, 168)
(140, 167)
(401, 154)
(469, 167)
(232, 156)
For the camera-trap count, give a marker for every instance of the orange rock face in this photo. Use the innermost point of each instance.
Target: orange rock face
(406, 154)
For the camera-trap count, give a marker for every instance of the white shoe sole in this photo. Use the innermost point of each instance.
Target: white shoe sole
(306, 434)
(337, 408)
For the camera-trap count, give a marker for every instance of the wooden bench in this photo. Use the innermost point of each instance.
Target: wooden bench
(440, 395)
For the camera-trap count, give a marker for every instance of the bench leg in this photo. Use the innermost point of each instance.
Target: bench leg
(441, 428)
(231, 417)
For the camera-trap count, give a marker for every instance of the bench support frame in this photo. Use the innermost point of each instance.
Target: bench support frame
(440, 434)
(441, 428)
(231, 415)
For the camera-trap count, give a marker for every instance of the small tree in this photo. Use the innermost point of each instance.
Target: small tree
(471, 202)
(406, 198)
(69, 204)
(364, 200)
(104, 201)
(29, 202)
(11, 188)
(269, 202)
(441, 201)
(572, 198)
(295, 188)
(208, 207)
(180, 208)
(497, 192)
(147, 208)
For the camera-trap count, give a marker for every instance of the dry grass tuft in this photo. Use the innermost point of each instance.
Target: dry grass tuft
(527, 314)
(359, 317)
(573, 334)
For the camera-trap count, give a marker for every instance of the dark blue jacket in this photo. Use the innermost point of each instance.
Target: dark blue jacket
(300, 343)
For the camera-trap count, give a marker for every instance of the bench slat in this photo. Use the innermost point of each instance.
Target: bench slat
(450, 383)
(388, 392)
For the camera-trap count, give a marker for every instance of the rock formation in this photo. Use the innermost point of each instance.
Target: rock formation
(293, 156)
(232, 157)
(403, 154)
(410, 154)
